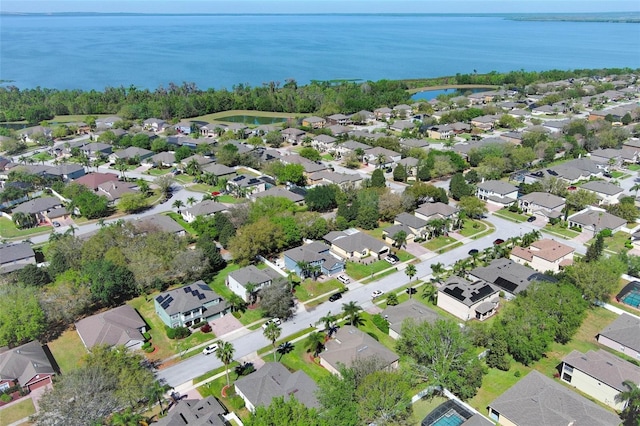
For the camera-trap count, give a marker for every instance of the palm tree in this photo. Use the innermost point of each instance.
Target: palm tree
(178, 204)
(156, 393)
(125, 418)
(272, 332)
(328, 321)
(193, 167)
(399, 239)
(635, 188)
(315, 343)
(225, 355)
(251, 292)
(236, 303)
(315, 271)
(631, 413)
(191, 201)
(304, 267)
(411, 271)
(285, 348)
(351, 310)
(121, 166)
(143, 186)
(430, 292)
(392, 299)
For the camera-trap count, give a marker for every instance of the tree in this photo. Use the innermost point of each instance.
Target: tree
(322, 198)
(383, 399)
(597, 279)
(399, 239)
(156, 392)
(400, 173)
(472, 207)
(177, 204)
(410, 271)
(351, 310)
(276, 301)
(21, 317)
(164, 184)
(285, 348)
(392, 299)
(377, 179)
(132, 202)
(285, 412)
(236, 303)
(24, 220)
(314, 343)
(310, 154)
(110, 283)
(581, 198)
(34, 276)
(225, 355)
(626, 210)
(191, 200)
(594, 251)
(458, 187)
(631, 413)
(272, 332)
(441, 354)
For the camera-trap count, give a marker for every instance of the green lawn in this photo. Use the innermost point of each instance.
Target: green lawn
(514, 217)
(614, 243)
(221, 115)
(619, 175)
(8, 229)
(423, 407)
(633, 167)
(377, 232)
(472, 227)
(358, 271)
(380, 276)
(178, 218)
(218, 285)
(309, 288)
(16, 412)
(300, 359)
(561, 231)
(158, 172)
(437, 244)
(42, 156)
(68, 350)
(231, 401)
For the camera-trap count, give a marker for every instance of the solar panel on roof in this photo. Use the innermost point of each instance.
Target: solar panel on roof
(187, 289)
(201, 296)
(455, 292)
(159, 299)
(481, 293)
(506, 284)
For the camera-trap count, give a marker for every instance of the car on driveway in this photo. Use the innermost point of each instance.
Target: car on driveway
(56, 224)
(392, 259)
(376, 293)
(335, 296)
(498, 241)
(344, 279)
(210, 349)
(531, 219)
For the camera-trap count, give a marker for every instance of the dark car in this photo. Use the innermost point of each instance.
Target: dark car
(531, 219)
(473, 251)
(411, 290)
(498, 241)
(335, 297)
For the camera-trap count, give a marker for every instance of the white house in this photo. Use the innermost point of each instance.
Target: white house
(544, 255)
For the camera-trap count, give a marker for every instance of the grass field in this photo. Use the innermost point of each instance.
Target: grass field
(423, 407)
(358, 271)
(232, 401)
(309, 288)
(16, 412)
(472, 227)
(8, 229)
(514, 217)
(437, 244)
(377, 232)
(563, 232)
(68, 350)
(300, 359)
(219, 116)
(218, 285)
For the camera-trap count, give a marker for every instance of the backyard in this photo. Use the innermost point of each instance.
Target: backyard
(68, 350)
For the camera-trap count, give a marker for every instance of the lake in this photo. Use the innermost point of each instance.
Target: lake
(428, 95)
(252, 119)
(220, 51)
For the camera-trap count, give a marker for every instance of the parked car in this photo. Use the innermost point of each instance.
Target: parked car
(277, 321)
(411, 290)
(392, 259)
(344, 279)
(531, 219)
(210, 349)
(376, 293)
(335, 296)
(498, 241)
(56, 224)
(473, 251)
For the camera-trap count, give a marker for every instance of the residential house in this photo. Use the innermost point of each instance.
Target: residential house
(94, 180)
(468, 300)
(497, 192)
(444, 131)
(245, 185)
(219, 170)
(414, 143)
(118, 326)
(189, 305)
(350, 344)
(363, 117)
(343, 180)
(594, 220)
(485, 122)
(308, 165)
(622, 335)
(277, 191)
(352, 244)
(44, 209)
(274, 380)
(411, 309)
(430, 211)
(28, 366)
(537, 400)
(184, 127)
(154, 124)
(606, 192)
(163, 159)
(315, 254)
(509, 276)
(159, 223)
(402, 111)
(195, 412)
(189, 142)
(131, 154)
(383, 113)
(237, 280)
(338, 119)
(512, 137)
(314, 122)
(107, 122)
(66, 172)
(544, 255)
(381, 157)
(203, 208)
(349, 147)
(198, 158)
(213, 130)
(615, 157)
(293, 135)
(114, 190)
(96, 149)
(542, 204)
(323, 142)
(600, 375)
(401, 125)
(411, 225)
(16, 256)
(32, 134)
(571, 171)
(410, 165)
(339, 130)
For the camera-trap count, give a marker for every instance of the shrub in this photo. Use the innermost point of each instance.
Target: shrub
(381, 323)
(149, 349)
(206, 328)
(177, 333)
(5, 397)
(199, 324)
(606, 233)
(146, 336)
(146, 345)
(517, 373)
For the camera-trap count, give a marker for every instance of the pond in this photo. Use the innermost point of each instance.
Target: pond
(253, 119)
(428, 95)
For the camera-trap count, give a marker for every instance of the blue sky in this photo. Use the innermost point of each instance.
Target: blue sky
(320, 6)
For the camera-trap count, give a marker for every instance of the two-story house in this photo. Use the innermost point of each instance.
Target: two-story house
(189, 305)
(542, 204)
(316, 254)
(497, 192)
(238, 280)
(544, 255)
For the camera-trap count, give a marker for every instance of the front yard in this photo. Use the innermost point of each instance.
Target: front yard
(561, 231)
(614, 243)
(8, 229)
(309, 288)
(512, 216)
(438, 244)
(358, 271)
(16, 412)
(473, 227)
(218, 285)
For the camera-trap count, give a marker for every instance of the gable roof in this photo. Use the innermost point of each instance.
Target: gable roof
(624, 330)
(274, 380)
(509, 275)
(116, 326)
(316, 251)
(547, 249)
(187, 298)
(544, 199)
(218, 169)
(604, 367)
(467, 292)
(602, 187)
(413, 309)
(351, 241)
(539, 401)
(598, 219)
(195, 412)
(410, 220)
(13, 252)
(206, 207)
(37, 205)
(350, 344)
(24, 363)
(93, 180)
(432, 209)
(251, 274)
(497, 186)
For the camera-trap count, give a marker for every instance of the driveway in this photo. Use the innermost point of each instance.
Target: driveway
(416, 249)
(583, 237)
(225, 324)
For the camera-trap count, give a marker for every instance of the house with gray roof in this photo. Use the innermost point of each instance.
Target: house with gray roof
(293, 135)
(154, 124)
(189, 305)
(410, 165)
(316, 254)
(430, 211)
(350, 344)
(350, 146)
(381, 157)
(497, 192)
(508, 275)
(246, 185)
(354, 245)
(107, 122)
(277, 191)
(131, 153)
(468, 300)
(599, 374)
(594, 219)
(570, 171)
(343, 180)
(537, 400)
(274, 380)
(163, 159)
(203, 208)
(314, 122)
(323, 142)
(400, 125)
(415, 143)
(309, 166)
(615, 157)
(195, 412)
(237, 280)
(114, 190)
(542, 204)
(198, 158)
(41, 208)
(118, 326)
(622, 335)
(606, 192)
(159, 223)
(28, 366)
(219, 170)
(339, 119)
(16, 256)
(411, 225)
(396, 315)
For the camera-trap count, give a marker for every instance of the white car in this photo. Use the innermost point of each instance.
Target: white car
(277, 321)
(392, 259)
(210, 349)
(343, 279)
(376, 293)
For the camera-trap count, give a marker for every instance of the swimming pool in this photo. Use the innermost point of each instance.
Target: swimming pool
(632, 298)
(450, 418)
(449, 413)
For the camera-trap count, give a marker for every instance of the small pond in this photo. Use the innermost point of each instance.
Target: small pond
(253, 119)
